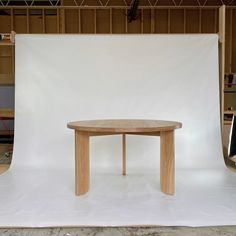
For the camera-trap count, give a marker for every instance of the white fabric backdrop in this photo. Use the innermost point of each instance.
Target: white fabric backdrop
(61, 79)
(65, 78)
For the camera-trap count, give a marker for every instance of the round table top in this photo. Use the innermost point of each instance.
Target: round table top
(124, 125)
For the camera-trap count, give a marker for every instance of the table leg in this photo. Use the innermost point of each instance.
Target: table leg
(167, 162)
(123, 154)
(82, 167)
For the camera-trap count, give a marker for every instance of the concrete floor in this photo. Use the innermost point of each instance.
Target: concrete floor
(122, 231)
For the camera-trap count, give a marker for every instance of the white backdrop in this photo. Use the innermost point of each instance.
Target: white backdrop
(62, 79)
(66, 78)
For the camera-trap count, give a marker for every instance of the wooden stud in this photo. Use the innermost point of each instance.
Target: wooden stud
(200, 21)
(62, 21)
(141, 21)
(79, 19)
(184, 21)
(110, 20)
(230, 41)
(58, 21)
(95, 21)
(126, 21)
(167, 162)
(82, 166)
(215, 21)
(222, 58)
(152, 21)
(123, 154)
(44, 23)
(168, 21)
(27, 20)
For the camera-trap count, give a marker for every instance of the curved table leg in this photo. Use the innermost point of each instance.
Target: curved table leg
(167, 162)
(82, 167)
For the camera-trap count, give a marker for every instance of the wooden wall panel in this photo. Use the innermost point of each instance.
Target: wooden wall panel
(87, 21)
(146, 22)
(103, 21)
(192, 20)
(177, 21)
(114, 20)
(5, 65)
(5, 51)
(36, 22)
(5, 24)
(72, 21)
(208, 21)
(50, 24)
(20, 23)
(233, 64)
(118, 21)
(228, 40)
(161, 21)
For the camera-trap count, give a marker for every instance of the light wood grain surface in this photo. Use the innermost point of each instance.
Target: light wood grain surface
(82, 170)
(85, 129)
(124, 125)
(167, 162)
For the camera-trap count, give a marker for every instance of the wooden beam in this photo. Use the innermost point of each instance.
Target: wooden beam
(7, 113)
(44, 22)
(58, 21)
(111, 22)
(27, 20)
(222, 59)
(152, 21)
(95, 20)
(230, 40)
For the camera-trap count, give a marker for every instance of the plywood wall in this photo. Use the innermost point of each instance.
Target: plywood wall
(114, 20)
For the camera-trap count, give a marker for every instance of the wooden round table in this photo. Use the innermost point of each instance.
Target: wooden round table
(85, 129)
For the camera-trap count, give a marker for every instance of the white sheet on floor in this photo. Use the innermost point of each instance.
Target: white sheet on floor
(62, 78)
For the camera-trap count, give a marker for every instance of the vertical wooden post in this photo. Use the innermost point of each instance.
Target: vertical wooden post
(230, 40)
(79, 18)
(222, 59)
(111, 22)
(95, 21)
(167, 162)
(184, 21)
(152, 21)
(141, 21)
(62, 19)
(58, 21)
(168, 22)
(27, 20)
(200, 21)
(126, 21)
(82, 166)
(215, 20)
(44, 23)
(123, 154)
